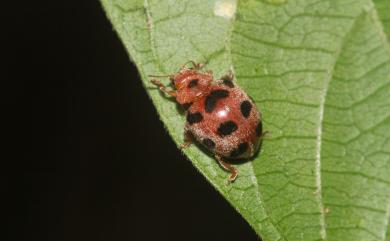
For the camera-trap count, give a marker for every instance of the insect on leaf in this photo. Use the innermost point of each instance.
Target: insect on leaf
(319, 71)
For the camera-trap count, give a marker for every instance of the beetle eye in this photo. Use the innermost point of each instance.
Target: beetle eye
(193, 83)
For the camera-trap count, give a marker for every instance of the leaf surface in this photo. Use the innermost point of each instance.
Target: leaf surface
(319, 71)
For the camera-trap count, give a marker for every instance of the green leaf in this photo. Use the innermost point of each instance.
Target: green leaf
(383, 7)
(320, 73)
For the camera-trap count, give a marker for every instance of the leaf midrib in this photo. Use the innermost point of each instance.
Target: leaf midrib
(330, 73)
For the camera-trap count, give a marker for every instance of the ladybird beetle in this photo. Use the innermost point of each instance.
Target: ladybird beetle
(220, 116)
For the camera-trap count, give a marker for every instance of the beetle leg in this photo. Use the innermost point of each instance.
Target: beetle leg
(187, 140)
(264, 135)
(196, 66)
(229, 76)
(227, 79)
(163, 88)
(227, 167)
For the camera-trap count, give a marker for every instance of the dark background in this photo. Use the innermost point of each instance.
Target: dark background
(92, 160)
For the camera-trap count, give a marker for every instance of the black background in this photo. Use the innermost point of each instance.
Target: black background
(92, 160)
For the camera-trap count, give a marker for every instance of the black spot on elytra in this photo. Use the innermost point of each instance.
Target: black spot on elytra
(228, 83)
(259, 129)
(241, 149)
(186, 106)
(227, 128)
(213, 97)
(246, 108)
(193, 83)
(210, 144)
(194, 117)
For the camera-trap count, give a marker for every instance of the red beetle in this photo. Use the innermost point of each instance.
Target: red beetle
(221, 116)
